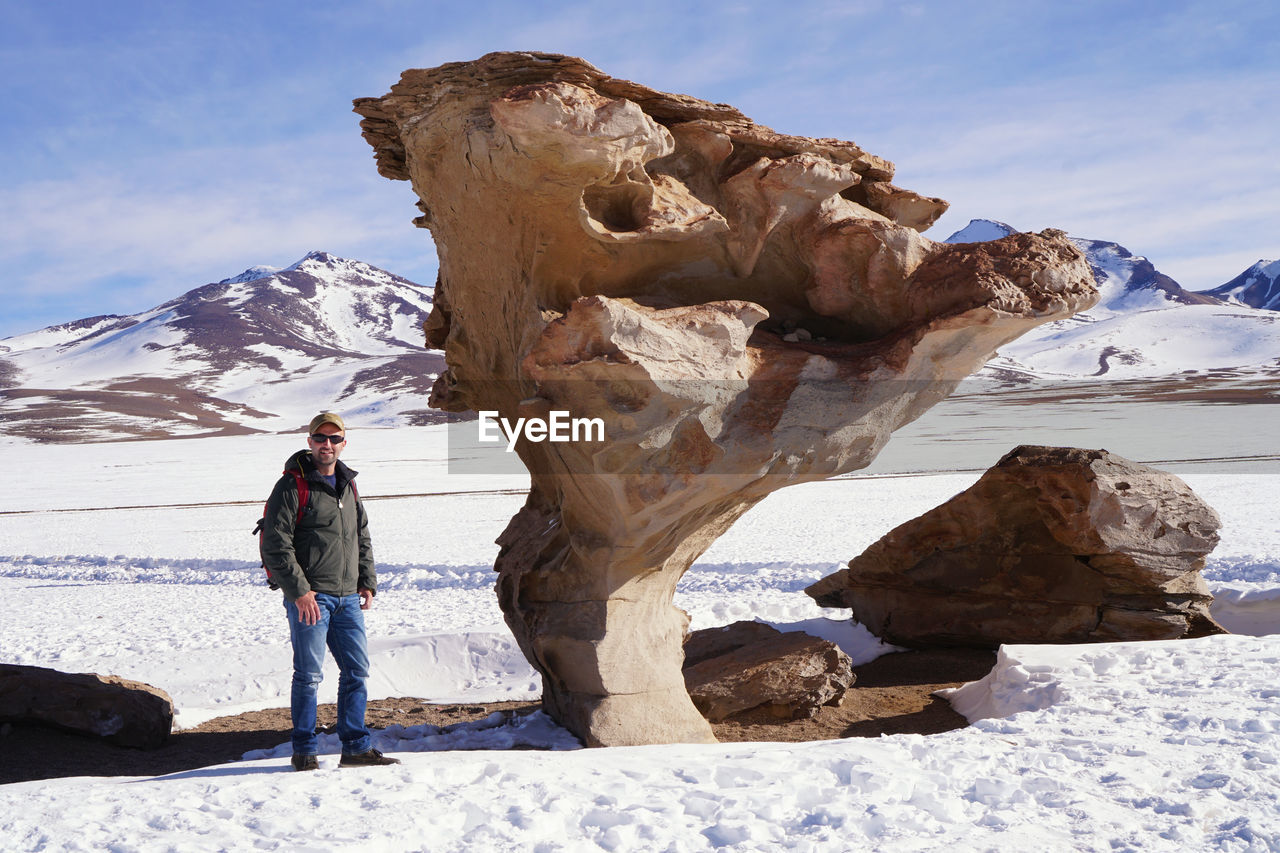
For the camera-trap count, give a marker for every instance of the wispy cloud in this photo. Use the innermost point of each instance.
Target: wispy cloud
(146, 233)
(149, 153)
(1175, 173)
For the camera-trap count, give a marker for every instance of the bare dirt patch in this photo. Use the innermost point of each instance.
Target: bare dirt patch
(134, 409)
(893, 695)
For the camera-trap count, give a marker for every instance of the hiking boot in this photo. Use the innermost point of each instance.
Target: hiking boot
(305, 762)
(368, 758)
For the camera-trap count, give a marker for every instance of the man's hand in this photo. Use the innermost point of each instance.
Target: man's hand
(308, 609)
(366, 598)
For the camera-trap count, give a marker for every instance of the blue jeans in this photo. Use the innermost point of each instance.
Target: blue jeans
(341, 627)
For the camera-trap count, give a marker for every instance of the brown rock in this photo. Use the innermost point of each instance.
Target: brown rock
(749, 665)
(1052, 545)
(126, 712)
(649, 259)
(903, 206)
(713, 642)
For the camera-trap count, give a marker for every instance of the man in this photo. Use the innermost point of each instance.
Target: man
(317, 550)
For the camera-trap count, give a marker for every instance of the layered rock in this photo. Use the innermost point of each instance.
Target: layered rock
(126, 712)
(742, 309)
(748, 665)
(1052, 545)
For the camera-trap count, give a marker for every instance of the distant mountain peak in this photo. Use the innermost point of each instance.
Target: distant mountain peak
(251, 274)
(981, 231)
(325, 265)
(311, 260)
(315, 264)
(1264, 269)
(1131, 282)
(1128, 282)
(1256, 287)
(316, 257)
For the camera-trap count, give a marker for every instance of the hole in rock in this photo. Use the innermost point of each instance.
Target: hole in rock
(615, 207)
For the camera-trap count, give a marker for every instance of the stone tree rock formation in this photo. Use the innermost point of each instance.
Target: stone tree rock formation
(1052, 545)
(743, 309)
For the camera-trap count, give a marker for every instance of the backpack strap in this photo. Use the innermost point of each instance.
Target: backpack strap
(304, 492)
(304, 498)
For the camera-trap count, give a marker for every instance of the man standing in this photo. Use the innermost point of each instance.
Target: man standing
(315, 547)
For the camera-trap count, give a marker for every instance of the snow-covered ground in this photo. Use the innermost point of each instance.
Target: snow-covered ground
(1163, 341)
(135, 558)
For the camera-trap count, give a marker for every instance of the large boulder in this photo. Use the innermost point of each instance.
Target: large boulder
(1052, 545)
(749, 665)
(741, 310)
(126, 712)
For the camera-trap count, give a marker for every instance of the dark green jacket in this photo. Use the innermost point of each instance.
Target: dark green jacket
(328, 550)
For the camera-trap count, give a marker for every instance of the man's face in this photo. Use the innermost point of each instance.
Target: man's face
(326, 452)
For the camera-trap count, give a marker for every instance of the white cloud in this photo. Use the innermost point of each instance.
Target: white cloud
(91, 244)
(168, 152)
(1175, 173)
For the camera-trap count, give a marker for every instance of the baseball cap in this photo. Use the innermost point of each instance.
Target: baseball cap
(327, 418)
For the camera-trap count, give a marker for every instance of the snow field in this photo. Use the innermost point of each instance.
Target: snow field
(1128, 746)
(1162, 342)
(1090, 757)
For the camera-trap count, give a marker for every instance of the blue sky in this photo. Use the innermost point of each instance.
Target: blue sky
(150, 147)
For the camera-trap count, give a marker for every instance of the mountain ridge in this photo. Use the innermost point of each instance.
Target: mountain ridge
(1257, 287)
(257, 352)
(263, 350)
(1125, 281)
(1144, 326)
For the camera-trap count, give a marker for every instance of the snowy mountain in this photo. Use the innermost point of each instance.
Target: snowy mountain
(981, 231)
(1256, 287)
(264, 350)
(260, 351)
(1127, 282)
(1144, 326)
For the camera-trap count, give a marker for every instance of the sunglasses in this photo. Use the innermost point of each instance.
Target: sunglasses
(320, 438)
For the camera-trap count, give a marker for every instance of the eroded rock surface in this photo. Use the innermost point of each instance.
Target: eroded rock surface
(1052, 545)
(126, 712)
(749, 665)
(742, 308)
